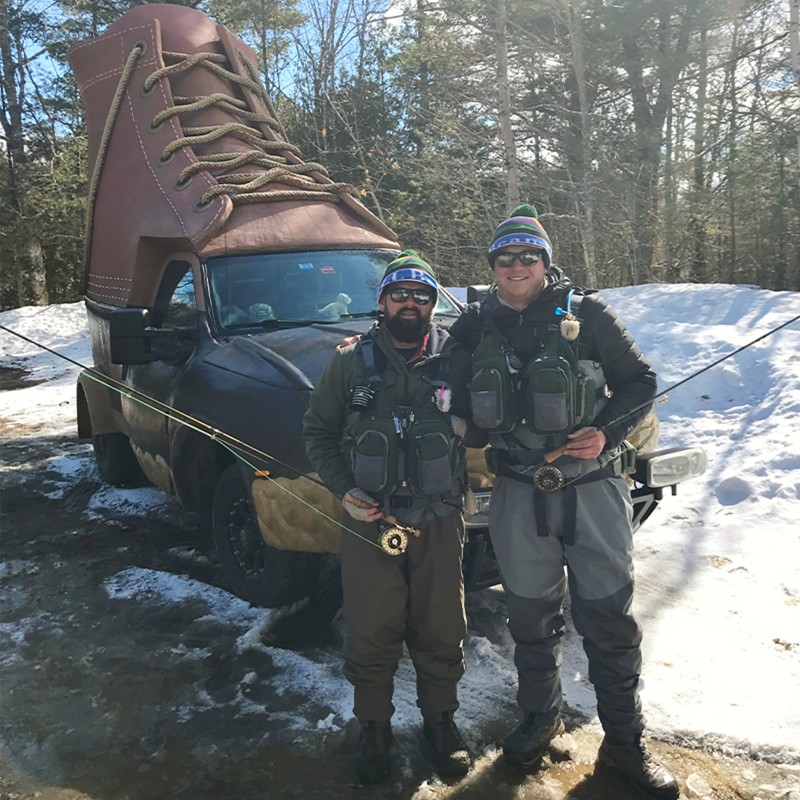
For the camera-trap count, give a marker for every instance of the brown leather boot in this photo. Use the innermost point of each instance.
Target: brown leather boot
(186, 155)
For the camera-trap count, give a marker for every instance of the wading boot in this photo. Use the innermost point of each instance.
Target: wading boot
(527, 743)
(640, 768)
(445, 747)
(372, 754)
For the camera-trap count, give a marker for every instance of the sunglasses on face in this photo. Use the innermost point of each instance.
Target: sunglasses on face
(527, 259)
(420, 296)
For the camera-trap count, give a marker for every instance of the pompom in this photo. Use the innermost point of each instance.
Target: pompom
(525, 210)
(570, 328)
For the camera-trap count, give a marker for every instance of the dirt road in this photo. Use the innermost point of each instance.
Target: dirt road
(128, 671)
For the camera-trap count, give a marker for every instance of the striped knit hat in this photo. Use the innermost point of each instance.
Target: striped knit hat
(408, 266)
(522, 227)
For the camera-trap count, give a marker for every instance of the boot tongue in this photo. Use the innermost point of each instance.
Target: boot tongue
(183, 29)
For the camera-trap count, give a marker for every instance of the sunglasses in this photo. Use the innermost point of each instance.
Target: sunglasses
(527, 259)
(420, 296)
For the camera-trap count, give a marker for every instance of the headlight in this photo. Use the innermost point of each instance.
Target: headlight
(668, 467)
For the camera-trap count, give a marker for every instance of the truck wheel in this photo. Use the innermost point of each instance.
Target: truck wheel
(258, 573)
(116, 462)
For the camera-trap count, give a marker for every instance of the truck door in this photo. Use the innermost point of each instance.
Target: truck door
(149, 425)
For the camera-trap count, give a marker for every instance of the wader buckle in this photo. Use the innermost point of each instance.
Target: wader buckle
(548, 479)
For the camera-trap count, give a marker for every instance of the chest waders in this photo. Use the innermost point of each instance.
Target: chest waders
(552, 395)
(398, 442)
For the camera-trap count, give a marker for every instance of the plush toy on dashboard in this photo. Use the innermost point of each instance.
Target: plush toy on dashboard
(338, 307)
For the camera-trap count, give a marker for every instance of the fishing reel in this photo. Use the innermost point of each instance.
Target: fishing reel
(393, 538)
(548, 479)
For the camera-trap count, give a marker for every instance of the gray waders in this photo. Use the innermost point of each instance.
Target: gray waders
(599, 562)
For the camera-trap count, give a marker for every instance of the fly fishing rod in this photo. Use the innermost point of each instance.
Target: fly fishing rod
(393, 536)
(548, 478)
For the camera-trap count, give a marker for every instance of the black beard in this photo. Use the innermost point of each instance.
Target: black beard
(408, 331)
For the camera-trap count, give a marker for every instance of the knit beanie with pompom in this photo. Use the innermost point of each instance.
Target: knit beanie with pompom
(522, 227)
(408, 266)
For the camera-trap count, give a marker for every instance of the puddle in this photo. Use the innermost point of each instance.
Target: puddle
(16, 378)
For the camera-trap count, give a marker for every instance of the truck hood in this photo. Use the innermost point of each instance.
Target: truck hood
(292, 358)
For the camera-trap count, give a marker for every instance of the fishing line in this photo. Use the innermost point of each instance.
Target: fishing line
(550, 457)
(233, 445)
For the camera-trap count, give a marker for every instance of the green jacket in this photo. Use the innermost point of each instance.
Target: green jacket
(329, 417)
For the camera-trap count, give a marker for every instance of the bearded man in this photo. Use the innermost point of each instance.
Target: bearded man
(380, 432)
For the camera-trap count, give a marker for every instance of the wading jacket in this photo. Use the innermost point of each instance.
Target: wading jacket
(603, 338)
(330, 420)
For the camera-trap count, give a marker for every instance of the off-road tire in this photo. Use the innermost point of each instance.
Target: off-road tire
(116, 462)
(256, 572)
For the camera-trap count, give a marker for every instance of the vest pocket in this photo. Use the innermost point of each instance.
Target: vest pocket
(434, 465)
(586, 398)
(375, 458)
(491, 401)
(551, 402)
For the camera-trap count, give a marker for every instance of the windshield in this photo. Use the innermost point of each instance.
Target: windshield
(265, 290)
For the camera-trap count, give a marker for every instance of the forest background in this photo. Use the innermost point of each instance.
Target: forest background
(659, 139)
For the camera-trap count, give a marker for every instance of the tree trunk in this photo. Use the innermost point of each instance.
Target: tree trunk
(733, 123)
(697, 224)
(31, 277)
(504, 108)
(584, 200)
(31, 283)
(794, 41)
(671, 272)
(649, 125)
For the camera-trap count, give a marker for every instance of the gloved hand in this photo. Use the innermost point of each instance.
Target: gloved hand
(361, 506)
(458, 425)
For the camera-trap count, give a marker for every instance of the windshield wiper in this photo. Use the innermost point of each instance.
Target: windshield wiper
(275, 324)
(359, 314)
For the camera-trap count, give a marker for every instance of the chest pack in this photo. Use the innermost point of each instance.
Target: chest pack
(554, 393)
(401, 440)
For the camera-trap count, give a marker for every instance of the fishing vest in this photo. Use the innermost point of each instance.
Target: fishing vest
(555, 393)
(394, 448)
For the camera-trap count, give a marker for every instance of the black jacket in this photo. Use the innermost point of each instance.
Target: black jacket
(603, 338)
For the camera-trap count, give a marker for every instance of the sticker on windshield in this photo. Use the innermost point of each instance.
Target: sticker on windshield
(307, 265)
(328, 270)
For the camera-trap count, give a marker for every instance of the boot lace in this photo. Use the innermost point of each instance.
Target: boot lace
(281, 159)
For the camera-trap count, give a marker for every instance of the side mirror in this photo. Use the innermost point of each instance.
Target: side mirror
(475, 293)
(131, 337)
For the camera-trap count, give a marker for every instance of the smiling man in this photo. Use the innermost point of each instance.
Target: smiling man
(554, 368)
